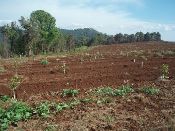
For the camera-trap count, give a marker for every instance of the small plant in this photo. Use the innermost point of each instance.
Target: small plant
(16, 112)
(44, 62)
(69, 92)
(61, 106)
(4, 98)
(165, 71)
(150, 90)
(43, 109)
(74, 103)
(105, 91)
(15, 81)
(123, 90)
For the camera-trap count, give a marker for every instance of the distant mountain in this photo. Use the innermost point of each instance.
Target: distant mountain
(78, 33)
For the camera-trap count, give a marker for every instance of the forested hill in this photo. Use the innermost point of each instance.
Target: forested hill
(39, 34)
(78, 33)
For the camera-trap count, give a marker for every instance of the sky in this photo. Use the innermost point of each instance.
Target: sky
(107, 16)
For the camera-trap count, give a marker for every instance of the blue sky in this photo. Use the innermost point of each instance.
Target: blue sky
(107, 16)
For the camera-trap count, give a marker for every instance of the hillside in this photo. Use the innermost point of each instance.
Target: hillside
(78, 33)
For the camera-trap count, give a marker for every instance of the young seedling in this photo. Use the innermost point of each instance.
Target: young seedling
(69, 92)
(14, 83)
(44, 61)
(165, 71)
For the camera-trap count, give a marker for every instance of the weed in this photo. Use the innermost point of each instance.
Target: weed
(16, 112)
(105, 91)
(4, 98)
(43, 109)
(150, 90)
(74, 103)
(69, 92)
(44, 62)
(61, 106)
(123, 90)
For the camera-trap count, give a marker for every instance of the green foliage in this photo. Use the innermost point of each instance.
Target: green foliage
(4, 98)
(44, 62)
(16, 112)
(69, 92)
(74, 103)
(15, 81)
(43, 109)
(61, 106)
(105, 91)
(165, 71)
(123, 90)
(150, 90)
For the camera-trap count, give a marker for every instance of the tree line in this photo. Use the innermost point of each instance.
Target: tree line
(39, 34)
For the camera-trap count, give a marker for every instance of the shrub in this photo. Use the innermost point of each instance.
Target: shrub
(69, 92)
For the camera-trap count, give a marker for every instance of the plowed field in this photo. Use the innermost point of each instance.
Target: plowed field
(113, 65)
